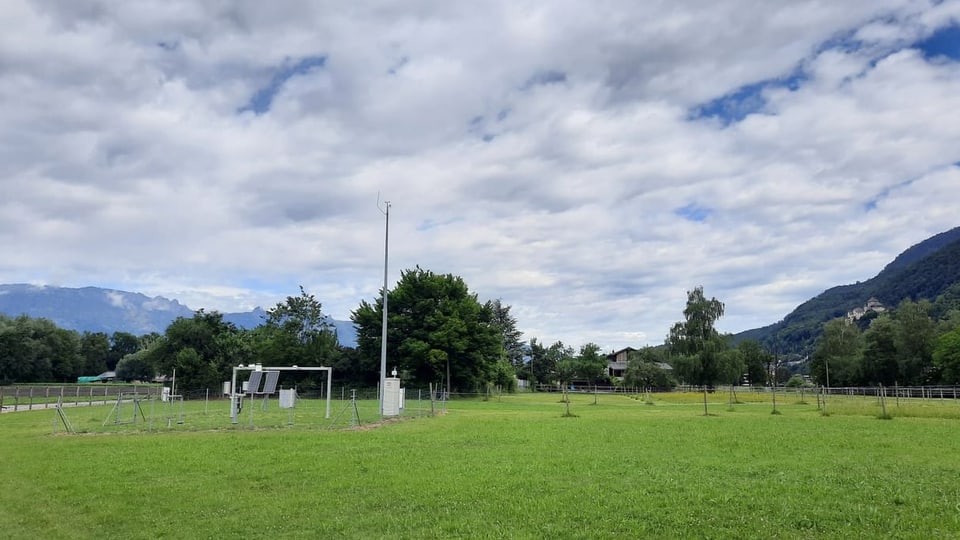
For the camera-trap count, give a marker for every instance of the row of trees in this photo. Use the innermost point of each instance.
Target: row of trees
(906, 346)
(37, 350)
(203, 349)
(440, 333)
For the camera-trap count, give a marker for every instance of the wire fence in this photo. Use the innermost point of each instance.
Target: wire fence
(118, 407)
(28, 397)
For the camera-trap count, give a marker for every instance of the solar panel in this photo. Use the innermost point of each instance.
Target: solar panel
(270, 386)
(253, 385)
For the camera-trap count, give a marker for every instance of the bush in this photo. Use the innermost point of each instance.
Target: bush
(796, 381)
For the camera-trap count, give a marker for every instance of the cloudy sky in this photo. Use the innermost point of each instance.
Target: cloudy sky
(587, 162)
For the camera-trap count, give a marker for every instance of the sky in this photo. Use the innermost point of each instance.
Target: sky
(586, 162)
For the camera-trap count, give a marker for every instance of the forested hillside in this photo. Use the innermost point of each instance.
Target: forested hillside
(922, 272)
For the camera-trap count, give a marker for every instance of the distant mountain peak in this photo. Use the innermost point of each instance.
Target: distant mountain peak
(96, 309)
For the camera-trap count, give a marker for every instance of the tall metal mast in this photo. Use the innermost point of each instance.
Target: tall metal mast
(383, 335)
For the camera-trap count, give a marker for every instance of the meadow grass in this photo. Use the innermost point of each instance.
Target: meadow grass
(509, 467)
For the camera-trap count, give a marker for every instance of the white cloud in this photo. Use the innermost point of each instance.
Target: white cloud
(543, 152)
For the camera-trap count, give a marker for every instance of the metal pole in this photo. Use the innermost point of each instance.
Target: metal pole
(383, 334)
(329, 388)
(233, 398)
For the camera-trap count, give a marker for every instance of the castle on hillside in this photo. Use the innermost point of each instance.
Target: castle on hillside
(872, 305)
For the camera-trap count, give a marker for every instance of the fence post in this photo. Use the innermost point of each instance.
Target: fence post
(30, 406)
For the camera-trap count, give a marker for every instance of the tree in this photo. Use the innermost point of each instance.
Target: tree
(95, 350)
(352, 368)
(36, 350)
(914, 337)
(136, 367)
(23, 357)
(437, 331)
(296, 333)
(591, 365)
(946, 357)
(512, 347)
(731, 369)
(504, 375)
(880, 352)
(202, 349)
(837, 358)
(561, 358)
(754, 360)
(121, 344)
(644, 369)
(697, 343)
(542, 369)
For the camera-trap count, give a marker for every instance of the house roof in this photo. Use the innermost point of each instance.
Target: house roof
(615, 353)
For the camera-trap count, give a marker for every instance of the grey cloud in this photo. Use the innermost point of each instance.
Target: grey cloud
(123, 159)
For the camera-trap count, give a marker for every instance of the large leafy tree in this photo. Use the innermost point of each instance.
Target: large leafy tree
(880, 352)
(136, 367)
(203, 349)
(837, 358)
(36, 350)
(121, 344)
(512, 348)
(755, 360)
(95, 350)
(591, 364)
(696, 344)
(914, 339)
(946, 356)
(645, 369)
(542, 366)
(296, 332)
(437, 331)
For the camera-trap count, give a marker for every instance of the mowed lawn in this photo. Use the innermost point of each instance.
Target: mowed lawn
(512, 467)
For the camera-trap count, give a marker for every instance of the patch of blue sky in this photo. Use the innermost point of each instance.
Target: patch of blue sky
(261, 100)
(749, 99)
(872, 203)
(426, 225)
(479, 126)
(430, 224)
(543, 78)
(694, 212)
(745, 100)
(944, 43)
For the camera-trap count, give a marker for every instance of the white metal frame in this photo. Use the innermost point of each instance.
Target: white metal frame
(235, 396)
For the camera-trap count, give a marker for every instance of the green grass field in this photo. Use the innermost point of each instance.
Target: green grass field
(512, 467)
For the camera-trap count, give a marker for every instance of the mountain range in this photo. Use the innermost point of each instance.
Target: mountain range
(924, 271)
(95, 309)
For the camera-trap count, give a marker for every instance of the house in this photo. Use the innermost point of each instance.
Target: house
(617, 362)
(859, 312)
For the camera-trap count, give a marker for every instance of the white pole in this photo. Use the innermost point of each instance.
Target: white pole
(329, 387)
(383, 334)
(233, 397)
